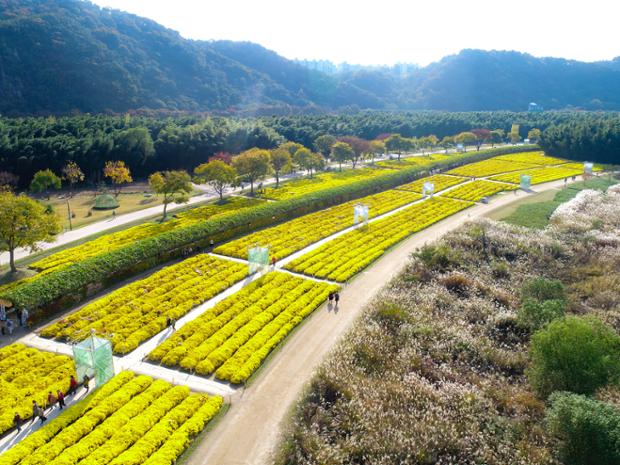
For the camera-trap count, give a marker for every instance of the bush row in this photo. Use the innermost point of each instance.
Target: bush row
(71, 285)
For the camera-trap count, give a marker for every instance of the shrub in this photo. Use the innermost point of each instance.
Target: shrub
(499, 269)
(390, 315)
(578, 354)
(535, 315)
(589, 430)
(541, 289)
(435, 257)
(457, 283)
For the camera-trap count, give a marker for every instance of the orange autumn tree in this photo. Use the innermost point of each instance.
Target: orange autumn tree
(118, 173)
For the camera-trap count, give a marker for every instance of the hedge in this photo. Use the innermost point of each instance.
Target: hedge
(73, 284)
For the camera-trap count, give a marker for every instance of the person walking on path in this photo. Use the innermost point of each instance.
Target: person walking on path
(170, 323)
(86, 382)
(273, 262)
(330, 298)
(51, 400)
(23, 317)
(337, 298)
(10, 326)
(37, 412)
(61, 399)
(73, 384)
(18, 422)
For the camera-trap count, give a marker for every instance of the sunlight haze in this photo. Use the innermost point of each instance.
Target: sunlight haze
(393, 31)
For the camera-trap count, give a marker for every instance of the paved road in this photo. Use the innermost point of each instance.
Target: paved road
(250, 430)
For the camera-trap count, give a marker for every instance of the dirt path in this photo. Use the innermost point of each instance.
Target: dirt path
(250, 430)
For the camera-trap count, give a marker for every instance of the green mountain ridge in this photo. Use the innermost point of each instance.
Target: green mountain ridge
(70, 56)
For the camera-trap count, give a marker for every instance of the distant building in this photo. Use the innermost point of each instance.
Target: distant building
(534, 107)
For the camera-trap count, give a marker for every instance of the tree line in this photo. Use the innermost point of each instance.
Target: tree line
(147, 144)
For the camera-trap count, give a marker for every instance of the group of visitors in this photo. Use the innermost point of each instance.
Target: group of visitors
(52, 399)
(7, 325)
(334, 296)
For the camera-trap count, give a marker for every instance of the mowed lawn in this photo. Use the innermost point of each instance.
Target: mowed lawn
(133, 198)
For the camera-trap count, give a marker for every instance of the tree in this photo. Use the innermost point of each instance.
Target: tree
(175, 186)
(395, 143)
(359, 146)
(514, 134)
(281, 162)
(577, 354)
(8, 181)
(324, 143)
(23, 223)
(222, 156)
(291, 147)
(482, 135)
(118, 173)
(588, 429)
(496, 136)
(432, 141)
(217, 175)
(447, 142)
(315, 161)
(135, 145)
(466, 138)
(341, 153)
(376, 147)
(252, 165)
(43, 181)
(534, 134)
(301, 158)
(72, 174)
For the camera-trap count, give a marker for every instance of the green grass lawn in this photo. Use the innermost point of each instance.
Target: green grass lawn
(536, 214)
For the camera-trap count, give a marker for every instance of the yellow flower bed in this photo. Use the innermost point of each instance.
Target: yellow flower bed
(490, 167)
(413, 161)
(235, 336)
(476, 190)
(535, 158)
(441, 181)
(138, 311)
(28, 374)
(118, 239)
(340, 259)
(296, 234)
(579, 166)
(319, 182)
(131, 420)
(540, 175)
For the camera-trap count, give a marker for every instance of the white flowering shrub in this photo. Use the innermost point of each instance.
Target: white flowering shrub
(433, 372)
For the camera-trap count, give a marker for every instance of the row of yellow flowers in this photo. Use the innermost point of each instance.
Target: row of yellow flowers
(118, 239)
(321, 181)
(345, 256)
(439, 181)
(138, 311)
(235, 336)
(490, 167)
(535, 158)
(476, 190)
(540, 175)
(296, 234)
(28, 374)
(406, 162)
(131, 420)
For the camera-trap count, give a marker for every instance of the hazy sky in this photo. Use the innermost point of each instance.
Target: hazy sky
(390, 31)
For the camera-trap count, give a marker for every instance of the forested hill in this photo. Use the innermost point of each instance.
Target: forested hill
(63, 56)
